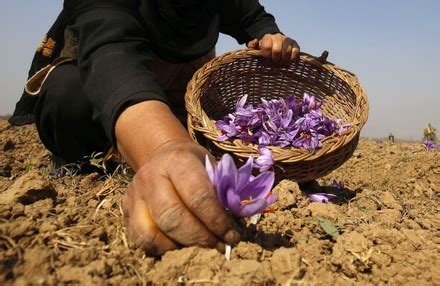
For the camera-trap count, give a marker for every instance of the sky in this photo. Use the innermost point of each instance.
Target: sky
(392, 46)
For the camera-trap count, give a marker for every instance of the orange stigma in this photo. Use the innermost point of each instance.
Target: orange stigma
(245, 202)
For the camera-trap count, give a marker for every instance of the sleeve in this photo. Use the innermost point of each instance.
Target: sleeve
(114, 59)
(246, 20)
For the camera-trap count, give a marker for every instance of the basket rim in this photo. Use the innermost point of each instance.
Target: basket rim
(198, 120)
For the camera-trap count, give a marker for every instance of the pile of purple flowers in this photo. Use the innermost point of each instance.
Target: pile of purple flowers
(283, 122)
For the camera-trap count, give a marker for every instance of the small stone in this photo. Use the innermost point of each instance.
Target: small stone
(357, 155)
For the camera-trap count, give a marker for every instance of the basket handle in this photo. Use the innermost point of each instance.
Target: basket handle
(253, 52)
(323, 57)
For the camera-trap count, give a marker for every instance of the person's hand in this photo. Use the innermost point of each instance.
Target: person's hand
(278, 49)
(171, 202)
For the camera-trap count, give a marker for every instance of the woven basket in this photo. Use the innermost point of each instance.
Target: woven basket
(215, 88)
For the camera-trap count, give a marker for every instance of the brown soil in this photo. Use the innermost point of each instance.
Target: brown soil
(384, 227)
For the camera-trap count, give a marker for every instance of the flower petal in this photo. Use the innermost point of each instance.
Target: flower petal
(321, 197)
(271, 198)
(254, 207)
(259, 187)
(265, 161)
(242, 101)
(209, 169)
(244, 174)
(233, 202)
(226, 168)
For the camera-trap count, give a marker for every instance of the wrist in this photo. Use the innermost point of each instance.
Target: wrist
(145, 128)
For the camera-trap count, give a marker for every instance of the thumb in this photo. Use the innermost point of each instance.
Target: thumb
(253, 44)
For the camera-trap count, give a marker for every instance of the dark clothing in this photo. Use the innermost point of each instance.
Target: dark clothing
(64, 117)
(118, 39)
(64, 114)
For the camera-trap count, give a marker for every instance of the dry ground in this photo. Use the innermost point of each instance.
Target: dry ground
(384, 228)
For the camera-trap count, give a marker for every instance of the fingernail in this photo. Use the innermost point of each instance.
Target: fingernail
(221, 247)
(232, 237)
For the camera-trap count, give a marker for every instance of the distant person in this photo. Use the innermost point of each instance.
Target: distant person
(391, 138)
(113, 74)
(430, 133)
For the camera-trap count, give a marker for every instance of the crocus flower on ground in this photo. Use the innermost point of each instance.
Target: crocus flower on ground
(238, 190)
(429, 145)
(321, 197)
(283, 122)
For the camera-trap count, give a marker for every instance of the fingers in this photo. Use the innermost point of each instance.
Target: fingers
(142, 230)
(253, 44)
(279, 50)
(173, 218)
(171, 202)
(295, 53)
(265, 47)
(287, 47)
(199, 196)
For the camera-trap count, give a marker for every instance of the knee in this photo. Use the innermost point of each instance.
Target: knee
(63, 94)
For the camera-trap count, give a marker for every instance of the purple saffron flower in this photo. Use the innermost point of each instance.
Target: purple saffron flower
(321, 197)
(265, 161)
(310, 102)
(338, 184)
(241, 102)
(309, 140)
(263, 138)
(237, 190)
(228, 128)
(429, 145)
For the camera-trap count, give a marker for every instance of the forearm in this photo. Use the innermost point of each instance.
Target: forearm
(114, 61)
(143, 128)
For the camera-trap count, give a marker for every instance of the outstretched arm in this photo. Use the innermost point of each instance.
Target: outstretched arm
(171, 201)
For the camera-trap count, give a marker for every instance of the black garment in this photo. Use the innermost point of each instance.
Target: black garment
(64, 117)
(117, 40)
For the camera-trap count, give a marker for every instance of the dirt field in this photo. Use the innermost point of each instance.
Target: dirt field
(384, 228)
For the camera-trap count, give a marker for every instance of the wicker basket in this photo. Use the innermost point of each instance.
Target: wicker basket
(215, 88)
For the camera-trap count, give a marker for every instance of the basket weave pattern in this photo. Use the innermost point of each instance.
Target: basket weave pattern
(215, 88)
